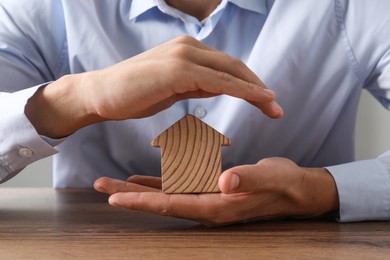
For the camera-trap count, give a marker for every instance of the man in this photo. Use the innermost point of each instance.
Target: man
(110, 76)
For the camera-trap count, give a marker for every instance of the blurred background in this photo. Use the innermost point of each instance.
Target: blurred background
(372, 139)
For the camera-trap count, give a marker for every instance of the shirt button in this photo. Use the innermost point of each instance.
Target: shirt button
(25, 152)
(199, 112)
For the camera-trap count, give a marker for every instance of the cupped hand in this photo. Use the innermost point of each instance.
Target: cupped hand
(179, 69)
(144, 85)
(274, 187)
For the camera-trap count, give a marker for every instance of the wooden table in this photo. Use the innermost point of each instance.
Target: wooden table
(79, 224)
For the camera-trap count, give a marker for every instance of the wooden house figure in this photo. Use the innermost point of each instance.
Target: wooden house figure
(190, 156)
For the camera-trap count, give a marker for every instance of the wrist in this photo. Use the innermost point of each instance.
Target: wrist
(60, 108)
(320, 195)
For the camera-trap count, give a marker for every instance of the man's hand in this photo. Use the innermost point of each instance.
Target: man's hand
(144, 85)
(274, 187)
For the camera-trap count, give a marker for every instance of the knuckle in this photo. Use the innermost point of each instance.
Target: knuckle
(249, 86)
(181, 50)
(184, 39)
(238, 63)
(164, 212)
(225, 76)
(266, 162)
(167, 209)
(134, 178)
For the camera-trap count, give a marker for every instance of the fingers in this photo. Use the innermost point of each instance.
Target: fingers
(182, 68)
(223, 74)
(190, 41)
(111, 186)
(218, 82)
(249, 178)
(153, 182)
(220, 61)
(271, 109)
(240, 179)
(177, 205)
(210, 209)
(268, 175)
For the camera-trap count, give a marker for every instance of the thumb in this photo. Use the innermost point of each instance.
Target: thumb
(243, 178)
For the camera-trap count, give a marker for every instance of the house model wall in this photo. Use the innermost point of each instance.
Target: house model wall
(190, 156)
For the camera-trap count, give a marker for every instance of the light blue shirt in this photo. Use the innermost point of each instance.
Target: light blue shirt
(316, 55)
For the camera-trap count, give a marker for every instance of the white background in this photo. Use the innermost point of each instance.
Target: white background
(372, 139)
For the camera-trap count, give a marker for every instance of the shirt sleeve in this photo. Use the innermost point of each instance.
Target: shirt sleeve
(364, 189)
(20, 144)
(364, 186)
(28, 57)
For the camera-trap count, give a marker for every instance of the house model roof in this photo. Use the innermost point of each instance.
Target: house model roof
(190, 156)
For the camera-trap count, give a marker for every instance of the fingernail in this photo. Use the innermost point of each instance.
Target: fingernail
(234, 181)
(112, 201)
(276, 107)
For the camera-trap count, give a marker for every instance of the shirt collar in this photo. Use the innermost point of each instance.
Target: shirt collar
(139, 7)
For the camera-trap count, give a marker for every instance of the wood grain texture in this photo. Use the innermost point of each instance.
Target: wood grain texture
(79, 224)
(190, 156)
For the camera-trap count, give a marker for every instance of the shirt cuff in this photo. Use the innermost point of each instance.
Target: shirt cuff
(364, 190)
(20, 144)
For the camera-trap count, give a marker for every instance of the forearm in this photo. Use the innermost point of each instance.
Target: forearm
(59, 109)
